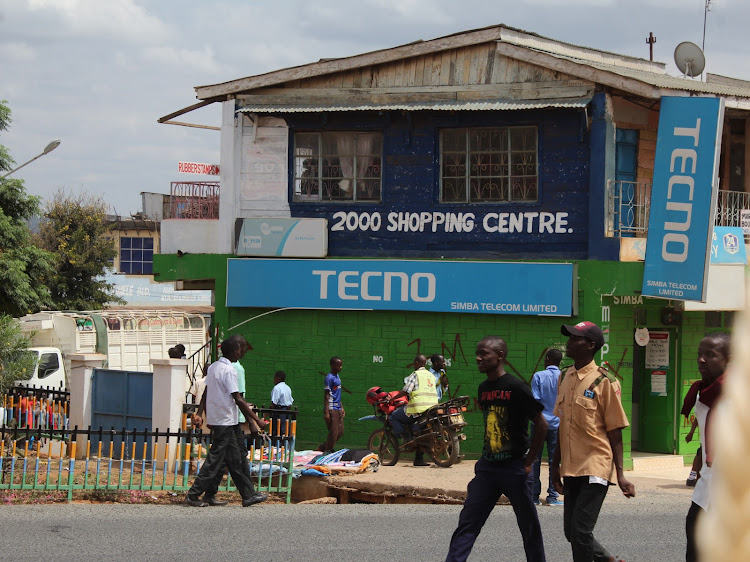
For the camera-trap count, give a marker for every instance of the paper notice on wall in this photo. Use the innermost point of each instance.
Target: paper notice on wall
(657, 350)
(659, 383)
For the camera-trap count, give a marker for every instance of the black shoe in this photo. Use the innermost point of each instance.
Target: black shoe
(211, 500)
(419, 460)
(257, 497)
(195, 502)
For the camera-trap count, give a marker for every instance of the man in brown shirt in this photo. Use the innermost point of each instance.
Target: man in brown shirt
(589, 442)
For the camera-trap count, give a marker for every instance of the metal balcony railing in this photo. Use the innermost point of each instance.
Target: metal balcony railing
(729, 207)
(194, 200)
(628, 205)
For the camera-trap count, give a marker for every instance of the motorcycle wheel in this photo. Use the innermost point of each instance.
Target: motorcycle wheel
(446, 449)
(385, 445)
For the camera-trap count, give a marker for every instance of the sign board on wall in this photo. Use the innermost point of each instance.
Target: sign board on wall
(144, 291)
(198, 168)
(728, 245)
(659, 383)
(745, 221)
(657, 350)
(291, 238)
(683, 198)
(429, 286)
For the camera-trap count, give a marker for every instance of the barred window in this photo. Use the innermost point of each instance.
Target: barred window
(488, 165)
(338, 166)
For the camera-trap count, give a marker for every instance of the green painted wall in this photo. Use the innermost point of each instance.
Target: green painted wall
(377, 348)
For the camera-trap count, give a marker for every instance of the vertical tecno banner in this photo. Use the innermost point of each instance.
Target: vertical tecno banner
(683, 198)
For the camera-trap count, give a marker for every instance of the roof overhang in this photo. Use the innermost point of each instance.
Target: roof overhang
(455, 105)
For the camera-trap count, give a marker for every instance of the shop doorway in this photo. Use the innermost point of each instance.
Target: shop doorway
(654, 389)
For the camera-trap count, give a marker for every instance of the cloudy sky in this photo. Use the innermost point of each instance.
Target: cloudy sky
(97, 74)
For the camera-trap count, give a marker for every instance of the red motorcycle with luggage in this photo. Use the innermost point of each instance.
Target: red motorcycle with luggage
(439, 430)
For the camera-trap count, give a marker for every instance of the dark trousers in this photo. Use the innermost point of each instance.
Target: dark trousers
(279, 422)
(335, 425)
(491, 480)
(695, 511)
(227, 452)
(536, 481)
(583, 501)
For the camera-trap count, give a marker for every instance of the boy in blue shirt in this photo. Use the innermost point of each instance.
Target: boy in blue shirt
(333, 411)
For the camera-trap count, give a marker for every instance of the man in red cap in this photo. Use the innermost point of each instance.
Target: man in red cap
(589, 444)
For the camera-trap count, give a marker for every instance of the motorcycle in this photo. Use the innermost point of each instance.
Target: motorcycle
(438, 429)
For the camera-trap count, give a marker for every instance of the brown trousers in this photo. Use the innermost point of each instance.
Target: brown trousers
(335, 425)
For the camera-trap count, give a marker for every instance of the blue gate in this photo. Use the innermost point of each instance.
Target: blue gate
(122, 400)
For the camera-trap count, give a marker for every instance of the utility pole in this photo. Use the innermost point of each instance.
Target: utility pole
(705, 17)
(651, 40)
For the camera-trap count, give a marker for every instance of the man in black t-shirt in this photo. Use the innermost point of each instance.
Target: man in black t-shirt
(507, 405)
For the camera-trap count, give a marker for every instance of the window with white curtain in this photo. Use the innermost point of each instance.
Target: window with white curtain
(340, 166)
(488, 165)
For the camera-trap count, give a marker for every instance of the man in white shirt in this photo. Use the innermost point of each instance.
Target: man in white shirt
(281, 399)
(220, 402)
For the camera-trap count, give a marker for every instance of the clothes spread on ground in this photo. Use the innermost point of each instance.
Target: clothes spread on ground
(507, 406)
(343, 461)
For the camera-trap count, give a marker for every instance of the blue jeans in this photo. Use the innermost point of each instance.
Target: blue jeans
(491, 480)
(401, 423)
(536, 482)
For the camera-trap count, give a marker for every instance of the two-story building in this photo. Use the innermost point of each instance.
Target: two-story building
(418, 198)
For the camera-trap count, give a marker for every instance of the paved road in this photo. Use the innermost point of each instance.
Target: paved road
(646, 529)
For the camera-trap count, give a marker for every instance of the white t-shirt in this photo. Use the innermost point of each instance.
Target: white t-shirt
(701, 491)
(221, 382)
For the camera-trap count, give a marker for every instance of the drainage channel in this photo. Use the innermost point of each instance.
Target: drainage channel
(345, 495)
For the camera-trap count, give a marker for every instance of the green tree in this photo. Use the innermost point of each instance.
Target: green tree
(75, 229)
(24, 267)
(16, 363)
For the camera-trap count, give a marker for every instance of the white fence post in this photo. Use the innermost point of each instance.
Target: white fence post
(82, 367)
(169, 383)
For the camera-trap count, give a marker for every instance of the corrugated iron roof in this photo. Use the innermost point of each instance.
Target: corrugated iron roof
(664, 80)
(463, 105)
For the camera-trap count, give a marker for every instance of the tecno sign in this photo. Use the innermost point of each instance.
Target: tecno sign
(680, 192)
(420, 285)
(353, 285)
(683, 198)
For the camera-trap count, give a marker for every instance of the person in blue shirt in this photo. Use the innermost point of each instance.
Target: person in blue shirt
(544, 389)
(333, 411)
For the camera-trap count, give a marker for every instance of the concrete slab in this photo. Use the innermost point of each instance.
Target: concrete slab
(405, 480)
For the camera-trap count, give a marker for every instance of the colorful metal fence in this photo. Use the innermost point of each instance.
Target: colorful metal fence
(70, 460)
(33, 408)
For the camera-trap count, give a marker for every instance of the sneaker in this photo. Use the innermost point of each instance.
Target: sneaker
(554, 502)
(257, 497)
(690, 482)
(537, 502)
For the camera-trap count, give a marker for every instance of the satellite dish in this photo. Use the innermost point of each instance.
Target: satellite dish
(689, 59)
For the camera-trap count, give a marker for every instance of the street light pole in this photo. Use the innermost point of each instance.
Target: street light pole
(47, 149)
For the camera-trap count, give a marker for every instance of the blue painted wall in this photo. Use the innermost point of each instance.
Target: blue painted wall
(411, 179)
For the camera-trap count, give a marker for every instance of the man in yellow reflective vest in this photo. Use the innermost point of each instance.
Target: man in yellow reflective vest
(420, 388)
